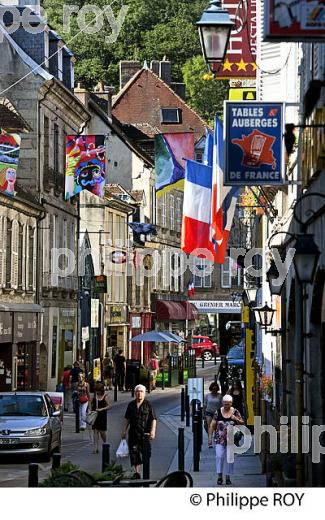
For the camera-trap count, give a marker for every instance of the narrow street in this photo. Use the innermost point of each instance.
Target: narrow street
(77, 448)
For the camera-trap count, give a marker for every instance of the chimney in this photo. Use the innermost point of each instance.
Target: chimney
(165, 71)
(82, 94)
(154, 65)
(103, 96)
(179, 89)
(127, 71)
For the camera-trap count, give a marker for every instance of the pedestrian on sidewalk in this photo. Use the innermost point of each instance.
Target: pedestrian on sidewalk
(74, 373)
(223, 375)
(83, 398)
(225, 418)
(140, 418)
(120, 368)
(237, 395)
(67, 387)
(213, 401)
(108, 371)
(100, 404)
(153, 368)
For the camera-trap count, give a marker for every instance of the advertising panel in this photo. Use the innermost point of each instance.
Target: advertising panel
(289, 20)
(254, 154)
(240, 59)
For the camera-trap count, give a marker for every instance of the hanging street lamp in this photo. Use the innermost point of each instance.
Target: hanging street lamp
(264, 316)
(214, 29)
(272, 276)
(306, 257)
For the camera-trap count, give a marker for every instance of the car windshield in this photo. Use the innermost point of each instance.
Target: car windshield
(22, 405)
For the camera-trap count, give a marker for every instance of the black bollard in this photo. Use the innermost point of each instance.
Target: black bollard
(146, 456)
(77, 416)
(133, 384)
(202, 361)
(182, 405)
(200, 428)
(181, 450)
(186, 390)
(215, 357)
(148, 383)
(163, 379)
(196, 451)
(32, 475)
(215, 378)
(187, 409)
(56, 460)
(105, 456)
(115, 389)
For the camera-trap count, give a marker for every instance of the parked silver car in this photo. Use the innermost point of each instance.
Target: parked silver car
(29, 424)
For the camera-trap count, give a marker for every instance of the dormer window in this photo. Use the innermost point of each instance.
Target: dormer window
(171, 116)
(60, 63)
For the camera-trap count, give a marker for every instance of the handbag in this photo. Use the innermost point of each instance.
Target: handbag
(91, 418)
(123, 450)
(83, 399)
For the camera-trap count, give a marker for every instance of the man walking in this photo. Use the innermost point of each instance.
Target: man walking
(120, 368)
(140, 418)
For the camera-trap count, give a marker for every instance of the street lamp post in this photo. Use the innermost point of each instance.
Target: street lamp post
(214, 29)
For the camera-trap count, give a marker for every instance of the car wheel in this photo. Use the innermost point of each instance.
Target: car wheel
(207, 356)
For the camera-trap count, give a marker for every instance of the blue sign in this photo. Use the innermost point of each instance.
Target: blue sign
(254, 143)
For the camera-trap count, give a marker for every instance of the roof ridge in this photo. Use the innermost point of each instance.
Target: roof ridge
(137, 74)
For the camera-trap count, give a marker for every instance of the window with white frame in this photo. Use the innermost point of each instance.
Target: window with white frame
(14, 255)
(178, 213)
(163, 211)
(204, 280)
(226, 272)
(172, 212)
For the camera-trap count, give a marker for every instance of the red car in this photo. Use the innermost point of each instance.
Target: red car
(204, 347)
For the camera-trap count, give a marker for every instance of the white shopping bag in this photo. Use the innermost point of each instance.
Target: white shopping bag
(123, 450)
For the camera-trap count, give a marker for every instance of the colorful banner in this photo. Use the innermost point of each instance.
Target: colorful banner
(254, 151)
(85, 165)
(9, 158)
(240, 59)
(289, 20)
(171, 151)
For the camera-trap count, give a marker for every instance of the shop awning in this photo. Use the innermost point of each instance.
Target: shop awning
(191, 310)
(21, 307)
(166, 311)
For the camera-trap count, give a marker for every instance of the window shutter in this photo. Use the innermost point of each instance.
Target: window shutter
(1, 251)
(226, 273)
(27, 258)
(172, 211)
(23, 263)
(34, 258)
(14, 255)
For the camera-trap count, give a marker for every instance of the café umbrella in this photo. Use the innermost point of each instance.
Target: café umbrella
(157, 336)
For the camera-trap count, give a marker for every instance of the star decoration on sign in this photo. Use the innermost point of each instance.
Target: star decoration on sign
(227, 65)
(241, 65)
(254, 66)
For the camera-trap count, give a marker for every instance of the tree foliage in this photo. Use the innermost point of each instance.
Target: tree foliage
(206, 95)
(152, 30)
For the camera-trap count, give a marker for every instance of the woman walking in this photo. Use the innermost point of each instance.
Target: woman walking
(223, 375)
(83, 398)
(213, 402)
(100, 404)
(237, 395)
(225, 418)
(108, 371)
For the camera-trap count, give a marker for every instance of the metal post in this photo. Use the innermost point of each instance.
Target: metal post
(163, 378)
(187, 409)
(186, 390)
(149, 383)
(215, 357)
(115, 389)
(182, 405)
(181, 451)
(215, 378)
(146, 456)
(196, 453)
(202, 361)
(105, 456)
(77, 416)
(133, 384)
(32, 475)
(200, 428)
(56, 460)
